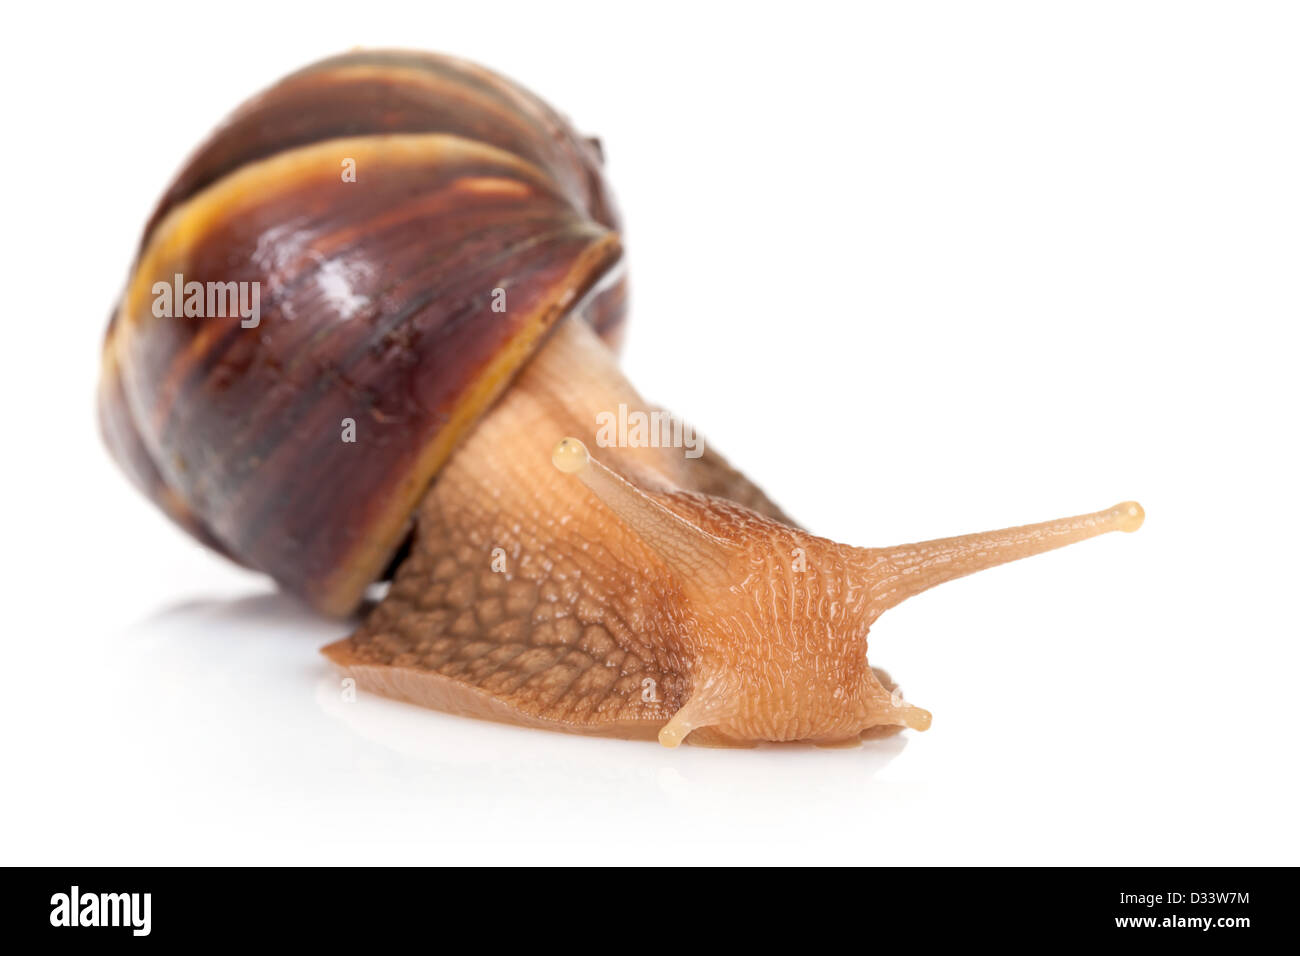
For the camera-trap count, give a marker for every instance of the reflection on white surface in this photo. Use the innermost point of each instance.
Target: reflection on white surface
(213, 731)
(458, 745)
(237, 723)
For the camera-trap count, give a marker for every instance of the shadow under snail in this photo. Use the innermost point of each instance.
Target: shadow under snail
(383, 206)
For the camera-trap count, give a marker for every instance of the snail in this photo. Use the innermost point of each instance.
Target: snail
(411, 392)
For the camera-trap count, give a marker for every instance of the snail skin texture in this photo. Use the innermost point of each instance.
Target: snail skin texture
(458, 301)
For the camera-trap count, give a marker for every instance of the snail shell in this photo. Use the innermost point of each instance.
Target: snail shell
(375, 298)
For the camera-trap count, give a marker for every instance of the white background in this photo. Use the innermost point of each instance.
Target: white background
(919, 269)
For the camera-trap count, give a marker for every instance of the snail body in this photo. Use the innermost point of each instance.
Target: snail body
(551, 581)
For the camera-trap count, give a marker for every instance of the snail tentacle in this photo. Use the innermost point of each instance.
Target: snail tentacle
(904, 571)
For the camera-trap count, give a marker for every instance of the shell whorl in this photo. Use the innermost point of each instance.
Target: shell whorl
(377, 304)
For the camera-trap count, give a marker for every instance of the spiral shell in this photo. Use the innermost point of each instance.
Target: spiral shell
(381, 300)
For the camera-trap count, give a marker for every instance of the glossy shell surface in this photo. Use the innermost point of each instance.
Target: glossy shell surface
(414, 225)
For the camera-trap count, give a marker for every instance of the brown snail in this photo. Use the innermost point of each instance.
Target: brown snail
(456, 299)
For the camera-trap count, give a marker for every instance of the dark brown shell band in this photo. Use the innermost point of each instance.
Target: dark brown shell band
(376, 306)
